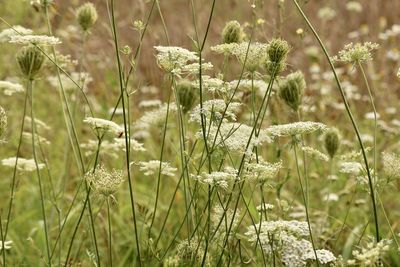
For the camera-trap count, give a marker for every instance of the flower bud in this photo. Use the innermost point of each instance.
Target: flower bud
(292, 88)
(3, 122)
(86, 16)
(186, 94)
(277, 53)
(30, 60)
(332, 141)
(232, 33)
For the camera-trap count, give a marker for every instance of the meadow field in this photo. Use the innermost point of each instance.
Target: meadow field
(200, 133)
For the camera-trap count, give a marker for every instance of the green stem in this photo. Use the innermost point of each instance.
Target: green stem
(42, 202)
(350, 114)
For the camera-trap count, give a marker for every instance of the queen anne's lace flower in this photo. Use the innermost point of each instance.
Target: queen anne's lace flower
(262, 171)
(254, 55)
(104, 125)
(173, 59)
(296, 128)
(371, 254)
(352, 167)
(391, 165)
(226, 49)
(235, 137)
(105, 182)
(6, 34)
(27, 165)
(213, 85)
(10, 88)
(357, 53)
(220, 179)
(34, 39)
(151, 167)
(213, 109)
(315, 153)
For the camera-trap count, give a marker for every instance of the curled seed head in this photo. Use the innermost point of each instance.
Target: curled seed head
(292, 89)
(277, 53)
(186, 93)
(232, 33)
(332, 141)
(86, 16)
(30, 60)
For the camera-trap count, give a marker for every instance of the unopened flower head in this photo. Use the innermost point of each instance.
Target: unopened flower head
(277, 53)
(10, 88)
(86, 16)
(332, 141)
(42, 40)
(153, 167)
(186, 94)
(3, 122)
(25, 165)
(30, 60)
(104, 125)
(232, 32)
(5, 35)
(292, 88)
(357, 53)
(296, 128)
(105, 182)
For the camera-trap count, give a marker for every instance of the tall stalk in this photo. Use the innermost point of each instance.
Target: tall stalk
(350, 114)
(126, 131)
(29, 88)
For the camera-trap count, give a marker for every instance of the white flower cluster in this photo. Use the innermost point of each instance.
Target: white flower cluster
(391, 165)
(34, 39)
(254, 54)
(226, 49)
(262, 171)
(213, 109)
(6, 245)
(10, 88)
(296, 128)
(220, 178)
(112, 148)
(350, 167)
(83, 79)
(371, 254)
(153, 166)
(286, 240)
(105, 182)
(6, 34)
(26, 165)
(314, 153)
(213, 85)
(259, 85)
(154, 116)
(235, 137)
(173, 59)
(104, 125)
(357, 53)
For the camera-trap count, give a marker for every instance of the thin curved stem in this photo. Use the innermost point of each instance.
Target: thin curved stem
(350, 114)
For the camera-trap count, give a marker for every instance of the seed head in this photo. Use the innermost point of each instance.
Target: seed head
(3, 122)
(277, 53)
(232, 33)
(332, 141)
(186, 94)
(292, 89)
(30, 60)
(86, 16)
